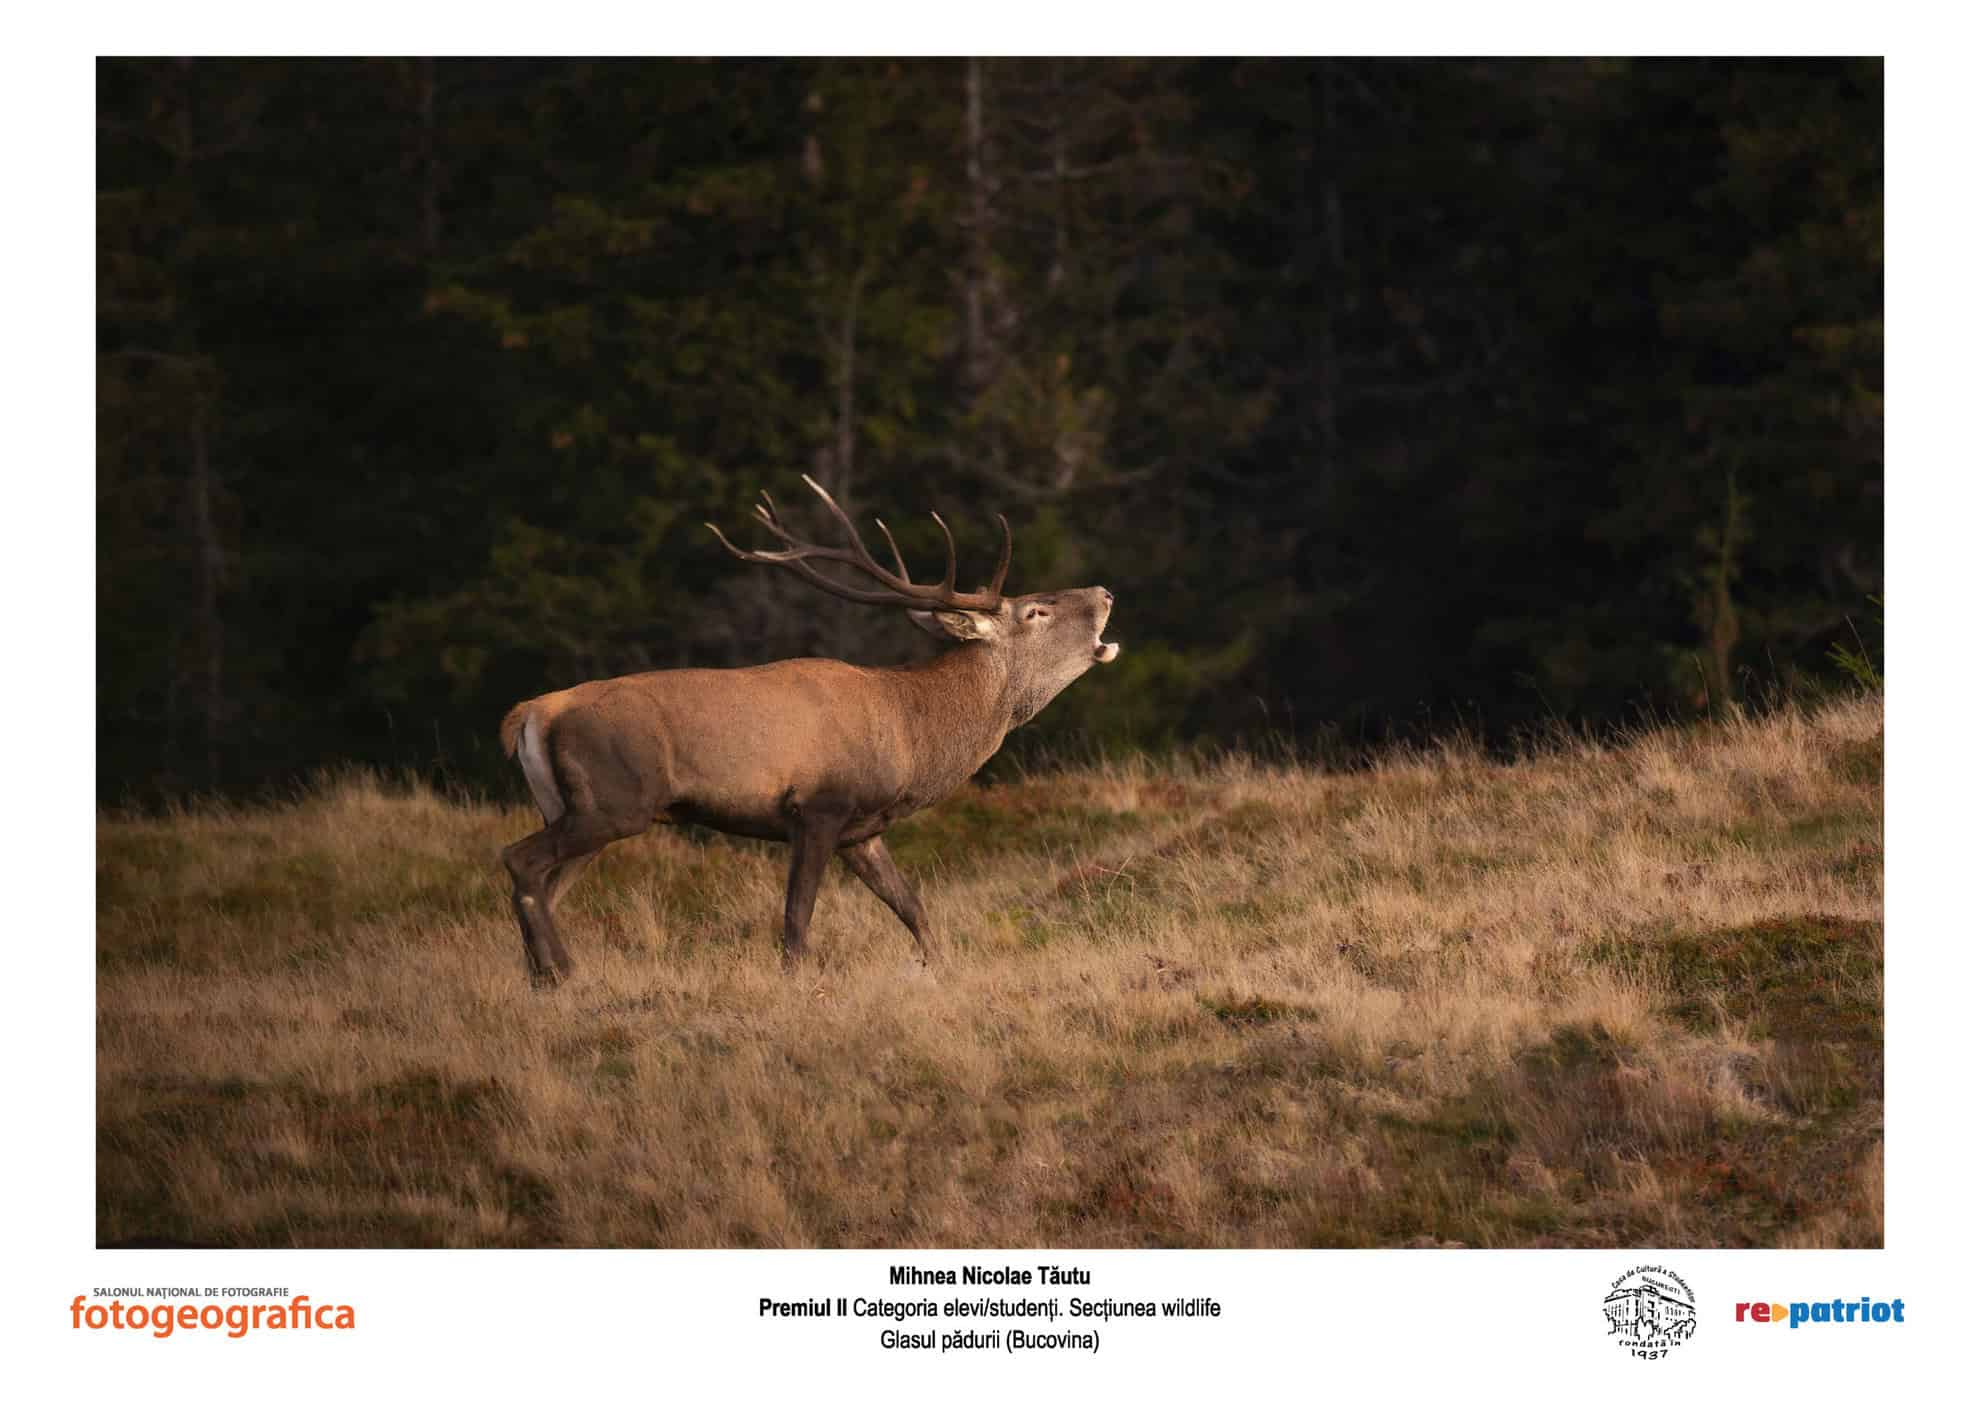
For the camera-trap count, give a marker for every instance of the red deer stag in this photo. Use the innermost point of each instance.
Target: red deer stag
(816, 752)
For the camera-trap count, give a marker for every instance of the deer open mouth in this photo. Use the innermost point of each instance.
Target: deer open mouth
(1104, 652)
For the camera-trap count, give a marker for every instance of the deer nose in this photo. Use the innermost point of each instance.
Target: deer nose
(1107, 594)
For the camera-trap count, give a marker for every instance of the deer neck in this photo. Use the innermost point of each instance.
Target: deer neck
(960, 705)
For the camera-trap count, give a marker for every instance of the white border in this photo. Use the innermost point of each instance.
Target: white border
(1320, 1328)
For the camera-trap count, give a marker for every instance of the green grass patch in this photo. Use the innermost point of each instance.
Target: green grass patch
(1005, 820)
(1253, 1010)
(1807, 977)
(1576, 1050)
(1860, 763)
(1811, 985)
(421, 1136)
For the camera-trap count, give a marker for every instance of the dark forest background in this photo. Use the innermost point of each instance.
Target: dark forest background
(1389, 397)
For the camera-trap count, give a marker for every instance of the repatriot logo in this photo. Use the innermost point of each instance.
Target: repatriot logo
(1796, 1313)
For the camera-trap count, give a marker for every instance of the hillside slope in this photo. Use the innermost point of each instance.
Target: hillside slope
(1597, 997)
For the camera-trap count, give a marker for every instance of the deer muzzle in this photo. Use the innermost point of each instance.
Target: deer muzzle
(1104, 652)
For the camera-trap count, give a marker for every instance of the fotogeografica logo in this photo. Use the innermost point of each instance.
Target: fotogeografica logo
(1650, 1311)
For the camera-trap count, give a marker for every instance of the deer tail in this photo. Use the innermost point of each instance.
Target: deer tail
(512, 726)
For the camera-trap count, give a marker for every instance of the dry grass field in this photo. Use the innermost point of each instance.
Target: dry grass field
(1601, 996)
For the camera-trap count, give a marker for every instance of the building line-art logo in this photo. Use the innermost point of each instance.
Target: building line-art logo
(1650, 1311)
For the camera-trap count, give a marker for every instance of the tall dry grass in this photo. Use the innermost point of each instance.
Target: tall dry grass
(1624, 996)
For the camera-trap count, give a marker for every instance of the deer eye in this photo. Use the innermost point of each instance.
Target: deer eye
(1035, 611)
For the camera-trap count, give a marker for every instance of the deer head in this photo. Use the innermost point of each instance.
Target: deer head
(1044, 640)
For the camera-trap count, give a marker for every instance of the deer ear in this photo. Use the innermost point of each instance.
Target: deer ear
(951, 623)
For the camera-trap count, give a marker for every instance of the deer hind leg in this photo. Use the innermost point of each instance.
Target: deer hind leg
(566, 875)
(532, 862)
(541, 867)
(878, 872)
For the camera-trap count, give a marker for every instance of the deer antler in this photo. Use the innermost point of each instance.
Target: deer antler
(898, 589)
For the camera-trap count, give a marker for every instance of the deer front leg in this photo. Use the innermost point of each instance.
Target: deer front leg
(878, 872)
(814, 836)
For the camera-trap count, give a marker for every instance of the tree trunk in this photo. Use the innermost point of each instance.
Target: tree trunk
(1326, 239)
(211, 571)
(1718, 616)
(209, 561)
(1061, 239)
(846, 375)
(977, 270)
(429, 162)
